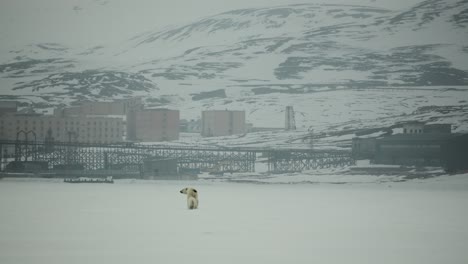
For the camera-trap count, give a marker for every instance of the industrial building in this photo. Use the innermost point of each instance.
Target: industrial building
(416, 127)
(455, 153)
(222, 123)
(419, 145)
(437, 128)
(411, 149)
(363, 148)
(446, 150)
(366, 148)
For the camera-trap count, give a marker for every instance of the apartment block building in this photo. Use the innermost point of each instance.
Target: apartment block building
(117, 107)
(151, 125)
(63, 129)
(222, 123)
(8, 107)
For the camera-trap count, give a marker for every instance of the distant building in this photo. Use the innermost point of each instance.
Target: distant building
(413, 128)
(222, 123)
(417, 137)
(455, 153)
(420, 128)
(183, 125)
(117, 107)
(412, 149)
(363, 148)
(64, 129)
(437, 128)
(8, 107)
(151, 125)
(289, 120)
(67, 111)
(194, 126)
(190, 126)
(249, 127)
(122, 108)
(130, 115)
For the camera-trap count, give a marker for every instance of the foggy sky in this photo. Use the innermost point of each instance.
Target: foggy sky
(81, 23)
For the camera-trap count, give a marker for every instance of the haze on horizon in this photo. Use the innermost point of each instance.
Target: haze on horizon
(86, 23)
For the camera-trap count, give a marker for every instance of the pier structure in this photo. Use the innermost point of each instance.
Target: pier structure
(129, 158)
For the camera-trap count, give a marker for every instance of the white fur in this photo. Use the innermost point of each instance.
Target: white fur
(192, 197)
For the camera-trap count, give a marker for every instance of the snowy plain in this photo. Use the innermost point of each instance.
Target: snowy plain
(135, 221)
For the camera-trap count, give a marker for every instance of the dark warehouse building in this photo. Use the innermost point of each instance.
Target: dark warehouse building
(455, 153)
(433, 149)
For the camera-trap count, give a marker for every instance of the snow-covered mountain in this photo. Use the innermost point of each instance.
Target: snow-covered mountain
(314, 46)
(244, 58)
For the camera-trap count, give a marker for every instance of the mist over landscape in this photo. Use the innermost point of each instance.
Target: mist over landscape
(237, 59)
(313, 131)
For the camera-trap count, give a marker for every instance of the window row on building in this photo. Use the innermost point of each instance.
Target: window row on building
(110, 122)
(63, 129)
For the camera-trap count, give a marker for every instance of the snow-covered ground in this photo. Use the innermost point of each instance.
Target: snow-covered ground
(132, 221)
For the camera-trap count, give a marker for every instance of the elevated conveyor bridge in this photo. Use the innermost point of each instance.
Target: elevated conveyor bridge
(130, 157)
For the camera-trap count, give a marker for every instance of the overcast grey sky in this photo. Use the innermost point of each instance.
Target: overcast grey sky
(93, 22)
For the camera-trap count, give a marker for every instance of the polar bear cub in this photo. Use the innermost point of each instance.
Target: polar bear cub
(192, 197)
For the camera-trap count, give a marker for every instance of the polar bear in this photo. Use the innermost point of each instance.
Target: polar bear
(192, 197)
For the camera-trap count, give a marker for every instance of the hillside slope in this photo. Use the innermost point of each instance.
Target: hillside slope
(261, 60)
